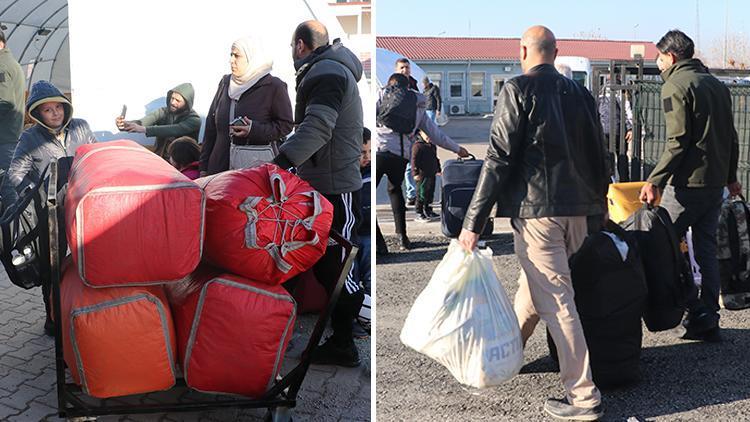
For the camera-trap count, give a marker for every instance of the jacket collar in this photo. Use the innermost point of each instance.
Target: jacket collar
(542, 68)
(694, 65)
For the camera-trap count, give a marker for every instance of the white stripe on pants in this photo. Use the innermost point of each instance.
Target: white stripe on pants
(543, 246)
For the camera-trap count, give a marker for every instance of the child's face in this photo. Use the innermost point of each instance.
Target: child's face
(364, 159)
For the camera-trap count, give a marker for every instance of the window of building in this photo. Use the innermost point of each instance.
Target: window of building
(477, 84)
(456, 81)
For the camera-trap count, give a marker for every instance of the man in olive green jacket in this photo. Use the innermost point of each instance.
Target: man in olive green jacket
(168, 123)
(12, 98)
(699, 161)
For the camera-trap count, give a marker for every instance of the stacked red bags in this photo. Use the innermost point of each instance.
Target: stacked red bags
(132, 220)
(117, 341)
(232, 332)
(264, 223)
(131, 217)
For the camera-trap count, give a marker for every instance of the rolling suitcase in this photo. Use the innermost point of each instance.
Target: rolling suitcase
(460, 179)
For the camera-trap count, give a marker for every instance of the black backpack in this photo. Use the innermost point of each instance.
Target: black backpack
(668, 275)
(397, 109)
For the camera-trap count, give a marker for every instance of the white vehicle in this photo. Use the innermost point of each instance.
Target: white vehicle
(581, 67)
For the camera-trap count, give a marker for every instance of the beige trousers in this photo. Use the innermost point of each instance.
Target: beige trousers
(545, 291)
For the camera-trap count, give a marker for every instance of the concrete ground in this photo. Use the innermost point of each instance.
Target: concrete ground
(682, 380)
(27, 374)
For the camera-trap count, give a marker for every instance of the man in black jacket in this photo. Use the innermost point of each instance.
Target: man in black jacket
(546, 170)
(325, 149)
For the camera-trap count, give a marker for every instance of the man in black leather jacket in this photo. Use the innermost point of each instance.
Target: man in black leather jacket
(546, 170)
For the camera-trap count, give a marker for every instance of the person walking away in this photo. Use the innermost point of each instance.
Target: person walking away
(258, 99)
(55, 134)
(546, 170)
(403, 66)
(325, 149)
(184, 153)
(404, 110)
(167, 123)
(12, 94)
(700, 159)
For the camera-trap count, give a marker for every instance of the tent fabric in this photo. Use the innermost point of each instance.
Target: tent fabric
(37, 35)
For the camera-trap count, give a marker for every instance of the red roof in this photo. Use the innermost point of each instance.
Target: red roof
(464, 48)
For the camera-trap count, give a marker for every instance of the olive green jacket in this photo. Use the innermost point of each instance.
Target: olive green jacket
(702, 147)
(166, 126)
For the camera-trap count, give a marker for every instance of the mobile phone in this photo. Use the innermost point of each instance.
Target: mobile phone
(237, 122)
(124, 110)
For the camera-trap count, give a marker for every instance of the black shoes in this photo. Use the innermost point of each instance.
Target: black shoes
(410, 202)
(330, 353)
(430, 214)
(561, 409)
(404, 243)
(702, 327)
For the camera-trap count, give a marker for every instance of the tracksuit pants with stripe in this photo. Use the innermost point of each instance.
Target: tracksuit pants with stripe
(346, 220)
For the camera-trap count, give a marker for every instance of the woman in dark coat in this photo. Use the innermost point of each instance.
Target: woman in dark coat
(250, 93)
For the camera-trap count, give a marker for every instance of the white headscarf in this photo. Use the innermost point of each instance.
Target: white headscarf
(258, 66)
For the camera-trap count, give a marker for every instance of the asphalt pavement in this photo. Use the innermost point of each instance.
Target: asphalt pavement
(681, 380)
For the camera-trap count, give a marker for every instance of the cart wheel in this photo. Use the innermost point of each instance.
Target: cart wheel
(278, 414)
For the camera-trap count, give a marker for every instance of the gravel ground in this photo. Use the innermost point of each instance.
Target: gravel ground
(682, 381)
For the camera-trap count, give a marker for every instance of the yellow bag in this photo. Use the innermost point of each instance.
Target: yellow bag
(622, 200)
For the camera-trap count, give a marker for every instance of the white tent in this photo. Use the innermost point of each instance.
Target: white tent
(37, 34)
(131, 53)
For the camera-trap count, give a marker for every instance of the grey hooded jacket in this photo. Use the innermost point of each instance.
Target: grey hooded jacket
(327, 142)
(39, 144)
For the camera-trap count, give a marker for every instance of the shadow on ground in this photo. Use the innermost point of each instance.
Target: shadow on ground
(432, 248)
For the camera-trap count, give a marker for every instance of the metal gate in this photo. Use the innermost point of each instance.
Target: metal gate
(642, 87)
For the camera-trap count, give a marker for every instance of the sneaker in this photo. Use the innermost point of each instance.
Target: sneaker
(330, 353)
(712, 335)
(430, 214)
(561, 409)
(411, 201)
(405, 243)
(421, 218)
(49, 328)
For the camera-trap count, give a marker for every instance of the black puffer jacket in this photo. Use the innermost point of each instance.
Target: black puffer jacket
(546, 156)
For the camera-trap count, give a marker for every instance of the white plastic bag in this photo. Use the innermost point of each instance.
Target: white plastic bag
(464, 320)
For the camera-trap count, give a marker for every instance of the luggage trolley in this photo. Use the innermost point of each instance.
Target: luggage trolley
(279, 399)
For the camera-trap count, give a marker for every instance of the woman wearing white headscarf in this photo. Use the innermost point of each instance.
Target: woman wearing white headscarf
(249, 93)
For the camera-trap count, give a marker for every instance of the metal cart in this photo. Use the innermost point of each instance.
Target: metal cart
(280, 399)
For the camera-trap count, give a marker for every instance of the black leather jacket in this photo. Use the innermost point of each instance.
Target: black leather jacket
(546, 156)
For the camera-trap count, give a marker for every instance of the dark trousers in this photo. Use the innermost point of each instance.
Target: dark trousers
(698, 208)
(393, 167)
(623, 165)
(425, 192)
(346, 220)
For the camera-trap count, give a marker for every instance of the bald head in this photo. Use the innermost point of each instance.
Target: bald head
(313, 33)
(540, 46)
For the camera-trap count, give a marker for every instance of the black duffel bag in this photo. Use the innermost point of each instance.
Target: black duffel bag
(610, 296)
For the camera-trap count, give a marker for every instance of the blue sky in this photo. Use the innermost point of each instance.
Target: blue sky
(567, 19)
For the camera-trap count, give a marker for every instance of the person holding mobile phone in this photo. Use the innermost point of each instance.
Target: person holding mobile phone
(177, 118)
(249, 113)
